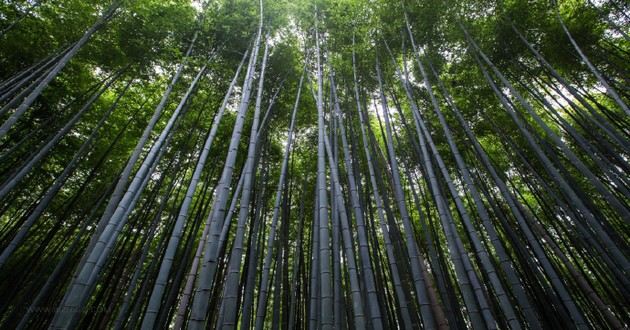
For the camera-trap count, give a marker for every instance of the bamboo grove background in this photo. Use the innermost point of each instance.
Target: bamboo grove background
(314, 164)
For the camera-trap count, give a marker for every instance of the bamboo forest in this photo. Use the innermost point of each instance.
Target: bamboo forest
(314, 164)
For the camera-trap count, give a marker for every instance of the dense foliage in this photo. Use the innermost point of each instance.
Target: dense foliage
(314, 164)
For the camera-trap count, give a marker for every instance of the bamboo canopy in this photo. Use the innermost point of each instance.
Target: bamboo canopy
(314, 164)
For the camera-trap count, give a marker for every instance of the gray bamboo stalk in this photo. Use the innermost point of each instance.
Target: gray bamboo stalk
(357, 300)
(391, 257)
(478, 318)
(20, 80)
(565, 297)
(26, 168)
(264, 282)
(190, 281)
(20, 95)
(129, 207)
(297, 264)
(253, 258)
(338, 206)
(123, 179)
(179, 111)
(609, 90)
(187, 294)
(54, 276)
(516, 208)
(609, 316)
(208, 268)
(602, 124)
(335, 210)
(138, 193)
(575, 161)
(233, 276)
(313, 306)
(428, 318)
(596, 226)
(80, 287)
(610, 22)
(612, 173)
(52, 74)
(167, 261)
(495, 282)
(22, 15)
(26, 75)
(58, 183)
(325, 283)
(119, 322)
(364, 251)
(504, 260)
(124, 308)
(226, 223)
